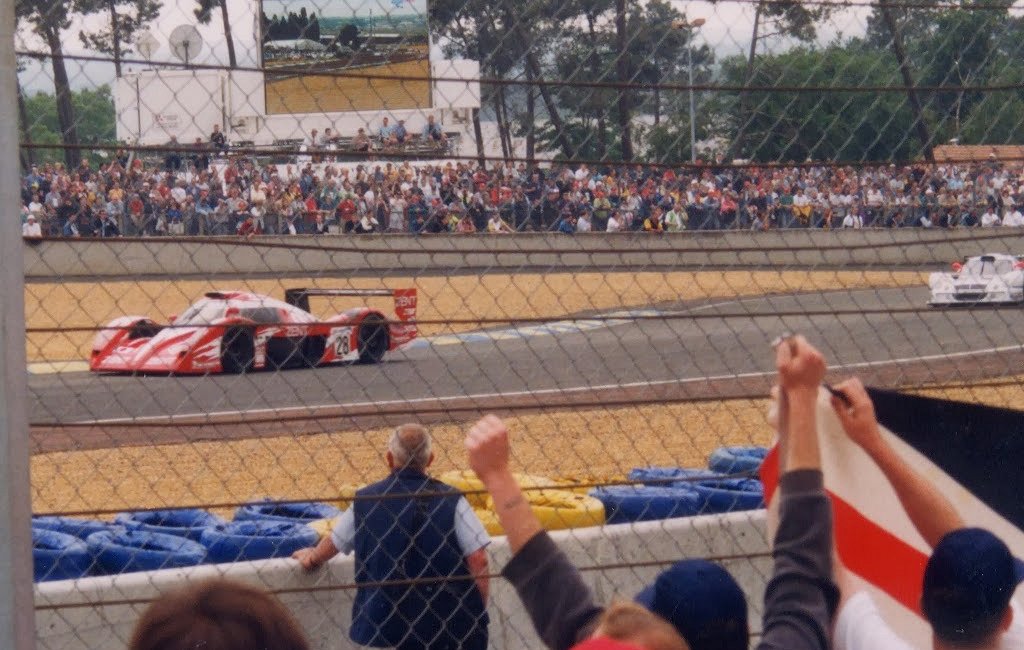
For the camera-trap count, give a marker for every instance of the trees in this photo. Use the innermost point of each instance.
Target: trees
(506, 39)
(204, 13)
(949, 45)
(772, 18)
(848, 125)
(47, 19)
(127, 18)
(94, 114)
(293, 26)
(639, 52)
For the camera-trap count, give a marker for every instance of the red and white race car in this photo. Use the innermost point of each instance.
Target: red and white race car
(238, 331)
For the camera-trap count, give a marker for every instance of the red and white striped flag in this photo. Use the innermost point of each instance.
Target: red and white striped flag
(973, 454)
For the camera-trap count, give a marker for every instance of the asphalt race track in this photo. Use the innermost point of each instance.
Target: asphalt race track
(697, 350)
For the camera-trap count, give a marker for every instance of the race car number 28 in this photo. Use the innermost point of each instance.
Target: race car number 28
(342, 346)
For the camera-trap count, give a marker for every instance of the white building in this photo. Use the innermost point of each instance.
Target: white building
(153, 105)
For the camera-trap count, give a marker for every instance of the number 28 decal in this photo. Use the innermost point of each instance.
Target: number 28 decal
(342, 346)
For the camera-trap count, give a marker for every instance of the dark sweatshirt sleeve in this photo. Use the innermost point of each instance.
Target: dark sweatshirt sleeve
(559, 603)
(801, 597)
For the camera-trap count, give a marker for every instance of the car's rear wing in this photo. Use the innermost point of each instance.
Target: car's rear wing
(405, 299)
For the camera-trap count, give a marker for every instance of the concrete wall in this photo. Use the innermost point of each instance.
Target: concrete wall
(325, 612)
(406, 255)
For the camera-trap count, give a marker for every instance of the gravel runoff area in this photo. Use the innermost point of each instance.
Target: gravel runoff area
(584, 445)
(554, 295)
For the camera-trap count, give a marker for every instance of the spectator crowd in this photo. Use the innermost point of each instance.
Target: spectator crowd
(206, 190)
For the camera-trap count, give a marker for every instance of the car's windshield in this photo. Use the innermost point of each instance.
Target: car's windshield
(203, 312)
(987, 267)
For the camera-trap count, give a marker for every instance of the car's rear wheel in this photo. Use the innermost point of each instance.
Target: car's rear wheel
(374, 339)
(238, 351)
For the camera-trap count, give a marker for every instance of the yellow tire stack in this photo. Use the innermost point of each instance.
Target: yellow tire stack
(323, 527)
(556, 508)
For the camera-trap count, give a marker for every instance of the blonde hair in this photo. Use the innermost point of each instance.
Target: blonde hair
(631, 623)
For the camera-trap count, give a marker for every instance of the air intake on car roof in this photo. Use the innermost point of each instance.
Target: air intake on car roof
(217, 295)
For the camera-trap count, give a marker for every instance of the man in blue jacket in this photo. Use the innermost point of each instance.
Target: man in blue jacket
(420, 556)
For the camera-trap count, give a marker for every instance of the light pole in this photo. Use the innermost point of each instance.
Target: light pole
(690, 24)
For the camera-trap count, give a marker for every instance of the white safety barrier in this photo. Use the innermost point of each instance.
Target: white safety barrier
(634, 553)
(159, 258)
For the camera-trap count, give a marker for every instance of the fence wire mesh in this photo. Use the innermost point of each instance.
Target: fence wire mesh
(232, 300)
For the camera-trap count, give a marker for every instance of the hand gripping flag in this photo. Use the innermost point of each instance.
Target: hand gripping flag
(973, 454)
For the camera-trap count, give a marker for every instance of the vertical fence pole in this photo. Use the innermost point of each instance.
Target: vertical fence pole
(17, 626)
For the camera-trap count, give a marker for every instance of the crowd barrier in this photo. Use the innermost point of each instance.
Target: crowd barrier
(322, 600)
(403, 255)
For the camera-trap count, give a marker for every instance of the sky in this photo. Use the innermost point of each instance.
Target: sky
(727, 32)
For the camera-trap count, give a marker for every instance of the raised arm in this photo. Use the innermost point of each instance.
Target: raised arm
(931, 513)
(488, 446)
(801, 369)
(560, 605)
(801, 597)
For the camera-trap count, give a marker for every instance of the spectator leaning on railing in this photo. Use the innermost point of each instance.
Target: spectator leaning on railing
(420, 554)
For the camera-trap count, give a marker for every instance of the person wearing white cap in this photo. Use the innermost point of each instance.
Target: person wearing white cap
(31, 227)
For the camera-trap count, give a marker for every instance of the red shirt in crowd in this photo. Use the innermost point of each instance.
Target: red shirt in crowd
(347, 210)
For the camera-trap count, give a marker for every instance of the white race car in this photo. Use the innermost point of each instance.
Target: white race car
(994, 279)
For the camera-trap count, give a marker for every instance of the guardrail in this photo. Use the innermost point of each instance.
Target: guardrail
(62, 608)
(402, 255)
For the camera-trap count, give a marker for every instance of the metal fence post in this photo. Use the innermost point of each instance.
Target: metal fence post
(17, 627)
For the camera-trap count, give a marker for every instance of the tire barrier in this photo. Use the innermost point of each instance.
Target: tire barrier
(58, 556)
(126, 551)
(286, 513)
(733, 460)
(668, 476)
(731, 495)
(323, 527)
(183, 522)
(720, 494)
(561, 509)
(466, 482)
(629, 503)
(582, 483)
(239, 541)
(80, 528)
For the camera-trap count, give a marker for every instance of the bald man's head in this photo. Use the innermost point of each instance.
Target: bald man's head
(410, 447)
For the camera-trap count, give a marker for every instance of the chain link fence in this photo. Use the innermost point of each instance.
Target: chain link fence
(259, 236)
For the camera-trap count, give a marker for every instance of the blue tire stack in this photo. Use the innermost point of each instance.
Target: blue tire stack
(666, 492)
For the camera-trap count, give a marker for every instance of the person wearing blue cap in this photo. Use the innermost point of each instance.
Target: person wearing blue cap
(703, 601)
(967, 594)
(700, 599)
